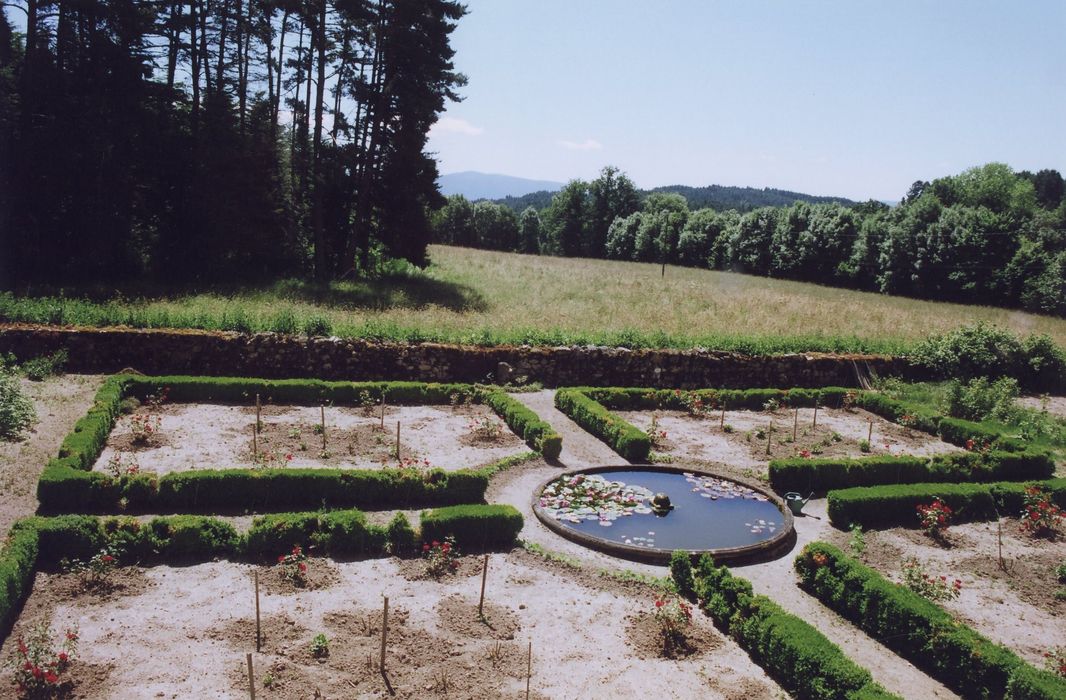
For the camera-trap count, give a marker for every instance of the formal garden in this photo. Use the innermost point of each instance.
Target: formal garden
(304, 538)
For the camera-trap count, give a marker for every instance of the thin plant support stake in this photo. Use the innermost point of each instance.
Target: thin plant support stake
(529, 668)
(795, 424)
(255, 442)
(397, 441)
(721, 422)
(384, 633)
(814, 423)
(870, 433)
(484, 575)
(382, 411)
(769, 433)
(258, 628)
(251, 677)
(258, 414)
(323, 427)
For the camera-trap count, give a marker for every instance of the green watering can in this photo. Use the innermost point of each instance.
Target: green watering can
(796, 502)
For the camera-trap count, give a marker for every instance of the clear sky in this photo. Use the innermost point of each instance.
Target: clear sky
(845, 97)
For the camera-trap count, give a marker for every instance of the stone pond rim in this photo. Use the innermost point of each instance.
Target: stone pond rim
(275, 356)
(779, 544)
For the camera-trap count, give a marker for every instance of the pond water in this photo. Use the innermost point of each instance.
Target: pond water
(708, 512)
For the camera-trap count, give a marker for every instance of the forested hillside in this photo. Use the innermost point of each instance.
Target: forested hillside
(988, 235)
(203, 140)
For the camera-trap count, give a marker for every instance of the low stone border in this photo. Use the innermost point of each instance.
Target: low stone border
(776, 546)
(272, 355)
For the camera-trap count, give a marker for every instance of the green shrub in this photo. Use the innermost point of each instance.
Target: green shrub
(317, 326)
(16, 409)
(981, 399)
(40, 368)
(400, 535)
(192, 538)
(632, 444)
(473, 526)
(793, 652)
(917, 629)
(889, 506)
(526, 424)
(1028, 683)
(798, 474)
(681, 573)
(18, 561)
(285, 321)
(344, 532)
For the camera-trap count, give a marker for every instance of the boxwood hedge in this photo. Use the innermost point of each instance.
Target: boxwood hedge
(68, 485)
(919, 630)
(889, 506)
(625, 439)
(794, 653)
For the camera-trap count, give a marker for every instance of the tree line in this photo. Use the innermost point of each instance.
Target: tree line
(207, 140)
(986, 236)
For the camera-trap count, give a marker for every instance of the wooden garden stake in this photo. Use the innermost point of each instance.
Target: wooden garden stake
(255, 442)
(382, 411)
(397, 441)
(258, 414)
(251, 678)
(795, 424)
(484, 574)
(258, 633)
(384, 632)
(870, 433)
(769, 432)
(529, 668)
(323, 428)
(814, 423)
(721, 423)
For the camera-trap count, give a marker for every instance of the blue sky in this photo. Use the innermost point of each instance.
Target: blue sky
(854, 98)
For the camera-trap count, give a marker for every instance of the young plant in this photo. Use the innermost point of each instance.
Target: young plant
(485, 429)
(320, 646)
(935, 588)
(38, 664)
(656, 435)
(16, 409)
(96, 571)
(120, 465)
(864, 445)
(693, 403)
(673, 616)
(271, 459)
(144, 425)
(1041, 517)
(771, 405)
(857, 541)
(1055, 661)
(294, 566)
(441, 557)
(934, 517)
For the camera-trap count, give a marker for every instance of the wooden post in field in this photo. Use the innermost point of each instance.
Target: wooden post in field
(664, 270)
(251, 678)
(258, 628)
(383, 411)
(323, 407)
(397, 441)
(870, 433)
(255, 442)
(484, 575)
(384, 633)
(814, 423)
(529, 668)
(258, 414)
(721, 423)
(795, 424)
(769, 433)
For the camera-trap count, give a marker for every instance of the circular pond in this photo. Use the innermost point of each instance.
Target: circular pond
(646, 512)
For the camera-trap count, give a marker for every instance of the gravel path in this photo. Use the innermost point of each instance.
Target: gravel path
(580, 449)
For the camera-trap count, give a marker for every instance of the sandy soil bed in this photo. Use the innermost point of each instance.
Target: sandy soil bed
(837, 434)
(1055, 405)
(60, 402)
(1016, 608)
(592, 637)
(211, 436)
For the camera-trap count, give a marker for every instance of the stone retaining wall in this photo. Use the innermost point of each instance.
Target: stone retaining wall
(270, 355)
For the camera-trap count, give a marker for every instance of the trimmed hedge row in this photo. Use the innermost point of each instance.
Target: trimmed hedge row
(43, 542)
(836, 473)
(794, 653)
(625, 439)
(889, 506)
(68, 485)
(526, 424)
(480, 527)
(919, 630)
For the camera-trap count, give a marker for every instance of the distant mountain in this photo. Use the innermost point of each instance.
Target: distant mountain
(721, 197)
(475, 185)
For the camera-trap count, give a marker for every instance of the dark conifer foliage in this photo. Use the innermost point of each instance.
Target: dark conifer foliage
(195, 141)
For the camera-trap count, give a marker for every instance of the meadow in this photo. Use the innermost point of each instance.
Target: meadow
(490, 298)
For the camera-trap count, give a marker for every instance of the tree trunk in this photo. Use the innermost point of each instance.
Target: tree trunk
(321, 273)
(195, 59)
(220, 76)
(281, 69)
